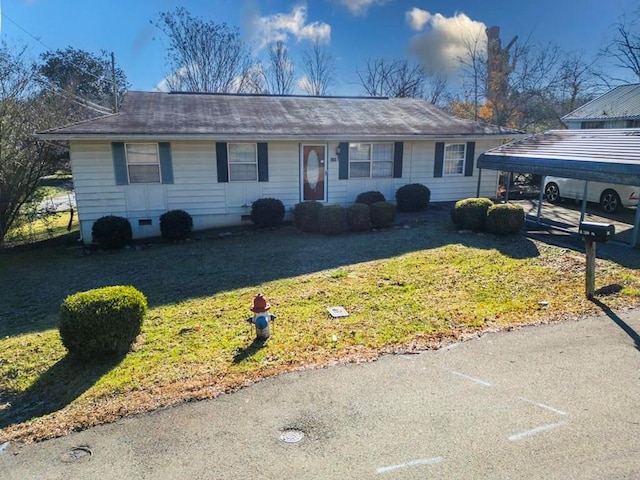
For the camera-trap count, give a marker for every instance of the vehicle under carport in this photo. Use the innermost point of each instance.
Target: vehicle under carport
(604, 155)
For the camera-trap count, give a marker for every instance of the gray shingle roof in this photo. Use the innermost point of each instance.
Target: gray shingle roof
(606, 155)
(178, 115)
(622, 102)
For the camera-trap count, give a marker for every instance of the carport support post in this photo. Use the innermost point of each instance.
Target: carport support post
(583, 210)
(590, 280)
(636, 226)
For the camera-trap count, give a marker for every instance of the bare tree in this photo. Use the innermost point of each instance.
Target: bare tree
(318, 66)
(624, 48)
(278, 76)
(24, 109)
(204, 56)
(579, 82)
(474, 67)
(399, 78)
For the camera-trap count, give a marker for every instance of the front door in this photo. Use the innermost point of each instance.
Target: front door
(313, 172)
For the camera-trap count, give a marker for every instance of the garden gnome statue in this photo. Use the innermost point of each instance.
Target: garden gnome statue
(261, 317)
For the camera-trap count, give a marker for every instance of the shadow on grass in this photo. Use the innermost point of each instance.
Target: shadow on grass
(246, 352)
(208, 264)
(54, 389)
(619, 321)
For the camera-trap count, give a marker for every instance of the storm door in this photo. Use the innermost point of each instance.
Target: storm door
(313, 173)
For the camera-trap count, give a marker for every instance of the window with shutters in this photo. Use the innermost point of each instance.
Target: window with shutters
(143, 162)
(454, 155)
(370, 160)
(243, 162)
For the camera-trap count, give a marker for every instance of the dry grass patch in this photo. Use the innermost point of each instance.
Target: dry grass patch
(405, 289)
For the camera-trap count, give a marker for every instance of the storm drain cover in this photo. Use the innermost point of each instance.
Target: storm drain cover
(76, 454)
(292, 435)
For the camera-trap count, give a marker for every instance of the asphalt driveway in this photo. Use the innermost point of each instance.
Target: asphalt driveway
(554, 401)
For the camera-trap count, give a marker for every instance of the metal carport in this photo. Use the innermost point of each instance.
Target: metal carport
(603, 155)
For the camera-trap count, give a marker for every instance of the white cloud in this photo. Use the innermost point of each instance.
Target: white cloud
(282, 25)
(360, 7)
(446, 40)
(417, 18)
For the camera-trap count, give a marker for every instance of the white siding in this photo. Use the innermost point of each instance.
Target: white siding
(212, 204)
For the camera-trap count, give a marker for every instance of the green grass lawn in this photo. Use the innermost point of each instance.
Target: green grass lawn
(405, 289)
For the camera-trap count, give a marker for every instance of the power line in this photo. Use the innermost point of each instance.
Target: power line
(97, 77)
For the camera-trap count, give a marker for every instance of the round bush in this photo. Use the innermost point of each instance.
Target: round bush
(471, 213)
(267, 212)
(112, 232)
(332, 219)
(413, 197)
(370, 197)
(505, 219)
(305, 216)
(358, 217)
(175, 225)
(382, 214)
(101, 322)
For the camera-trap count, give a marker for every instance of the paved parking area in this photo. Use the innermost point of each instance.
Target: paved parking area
(554, 401)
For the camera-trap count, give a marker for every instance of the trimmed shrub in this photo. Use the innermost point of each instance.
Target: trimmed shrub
(370, 197)
(102, 322)
(358, 217)
(382, 214)
(175, 225)
(112, 232)
(505, 219)
(305, 216)
(332, 219)
(413, 197)
(471, 213)
(267, 212)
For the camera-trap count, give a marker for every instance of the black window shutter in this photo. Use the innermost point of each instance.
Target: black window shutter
(398, 149)
(166, 164)
(221, 159)
(343, 159)
(439, 164)
(263, 162)
(469, 158)
(119, 163)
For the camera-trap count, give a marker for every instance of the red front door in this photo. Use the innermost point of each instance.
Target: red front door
(313, 167)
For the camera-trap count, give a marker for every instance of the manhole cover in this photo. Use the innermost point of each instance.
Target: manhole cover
(76, 454)
(292, 435)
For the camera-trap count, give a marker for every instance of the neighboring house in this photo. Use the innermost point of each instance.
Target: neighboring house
(619, 108)
(212, 155)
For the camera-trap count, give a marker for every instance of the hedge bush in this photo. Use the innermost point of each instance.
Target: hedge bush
(112, 232)
(332, 219)
(305, 216)
(175, 225)
(471, 213)
(267, 212)
(413, 197)
(505, 219)
(382, 214)
(370, 197)
(359, 217)
(101, 322)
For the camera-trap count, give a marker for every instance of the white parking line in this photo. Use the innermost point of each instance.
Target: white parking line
(534, 431)
(420, 461)
(542, 405)
(476, 380)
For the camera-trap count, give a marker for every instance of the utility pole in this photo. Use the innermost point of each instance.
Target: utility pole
(113, 82)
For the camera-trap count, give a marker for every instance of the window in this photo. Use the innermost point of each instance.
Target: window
(370, 160)
(243, 162)
(143, 163)
(454, 159)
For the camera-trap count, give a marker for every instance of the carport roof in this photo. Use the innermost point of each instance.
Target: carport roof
(605, 155)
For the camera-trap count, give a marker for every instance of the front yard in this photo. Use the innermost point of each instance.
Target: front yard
(405, 289)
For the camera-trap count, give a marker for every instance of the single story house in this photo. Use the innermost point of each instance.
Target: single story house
(212, 155)
(618, 108)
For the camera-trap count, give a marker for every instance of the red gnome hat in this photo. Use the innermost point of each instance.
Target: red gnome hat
(260, 304)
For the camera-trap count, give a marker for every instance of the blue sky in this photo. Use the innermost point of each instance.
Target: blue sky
(428, 31)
